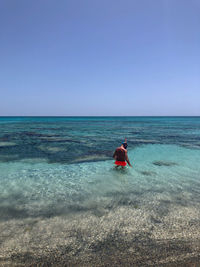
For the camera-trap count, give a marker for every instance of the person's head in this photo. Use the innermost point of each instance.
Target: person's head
(125, 145)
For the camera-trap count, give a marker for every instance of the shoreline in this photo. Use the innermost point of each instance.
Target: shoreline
(125, 236)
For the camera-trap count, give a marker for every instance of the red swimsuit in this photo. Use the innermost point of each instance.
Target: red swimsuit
(120, 163)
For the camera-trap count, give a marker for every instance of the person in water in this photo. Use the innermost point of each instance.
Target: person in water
(120, 155)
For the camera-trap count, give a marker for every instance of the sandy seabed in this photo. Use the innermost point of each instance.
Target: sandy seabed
(127, 235)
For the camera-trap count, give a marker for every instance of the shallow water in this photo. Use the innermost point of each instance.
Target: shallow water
(57, 177)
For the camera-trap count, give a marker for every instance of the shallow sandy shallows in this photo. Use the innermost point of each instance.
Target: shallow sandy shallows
(127, 235)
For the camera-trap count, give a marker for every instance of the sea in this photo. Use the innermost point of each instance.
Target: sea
(62, 201)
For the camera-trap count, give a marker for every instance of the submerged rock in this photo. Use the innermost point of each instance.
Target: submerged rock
(7, 158)
(4, 144)
(59, 139)
(148, 173)
(39, 134)
(164, 163)
(51, 149)
(91, 158)
(151, 141)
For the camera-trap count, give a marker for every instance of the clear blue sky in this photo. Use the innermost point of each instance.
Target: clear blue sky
(107, 57)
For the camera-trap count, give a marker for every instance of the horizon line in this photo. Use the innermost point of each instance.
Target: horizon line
(64, 116)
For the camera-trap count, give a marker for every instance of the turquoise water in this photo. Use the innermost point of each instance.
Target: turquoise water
(60, 167)
(55, 165)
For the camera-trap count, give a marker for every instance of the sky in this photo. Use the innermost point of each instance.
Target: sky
(100, 58)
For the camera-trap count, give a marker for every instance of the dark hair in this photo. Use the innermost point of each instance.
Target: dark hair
(124, 145)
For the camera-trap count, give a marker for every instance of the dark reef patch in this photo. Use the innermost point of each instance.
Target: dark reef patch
(10, 212)
(164, 163)
(148, 173)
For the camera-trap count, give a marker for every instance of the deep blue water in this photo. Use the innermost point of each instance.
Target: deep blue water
(68, 139)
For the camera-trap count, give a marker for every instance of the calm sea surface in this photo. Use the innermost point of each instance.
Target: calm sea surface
(58, 172)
